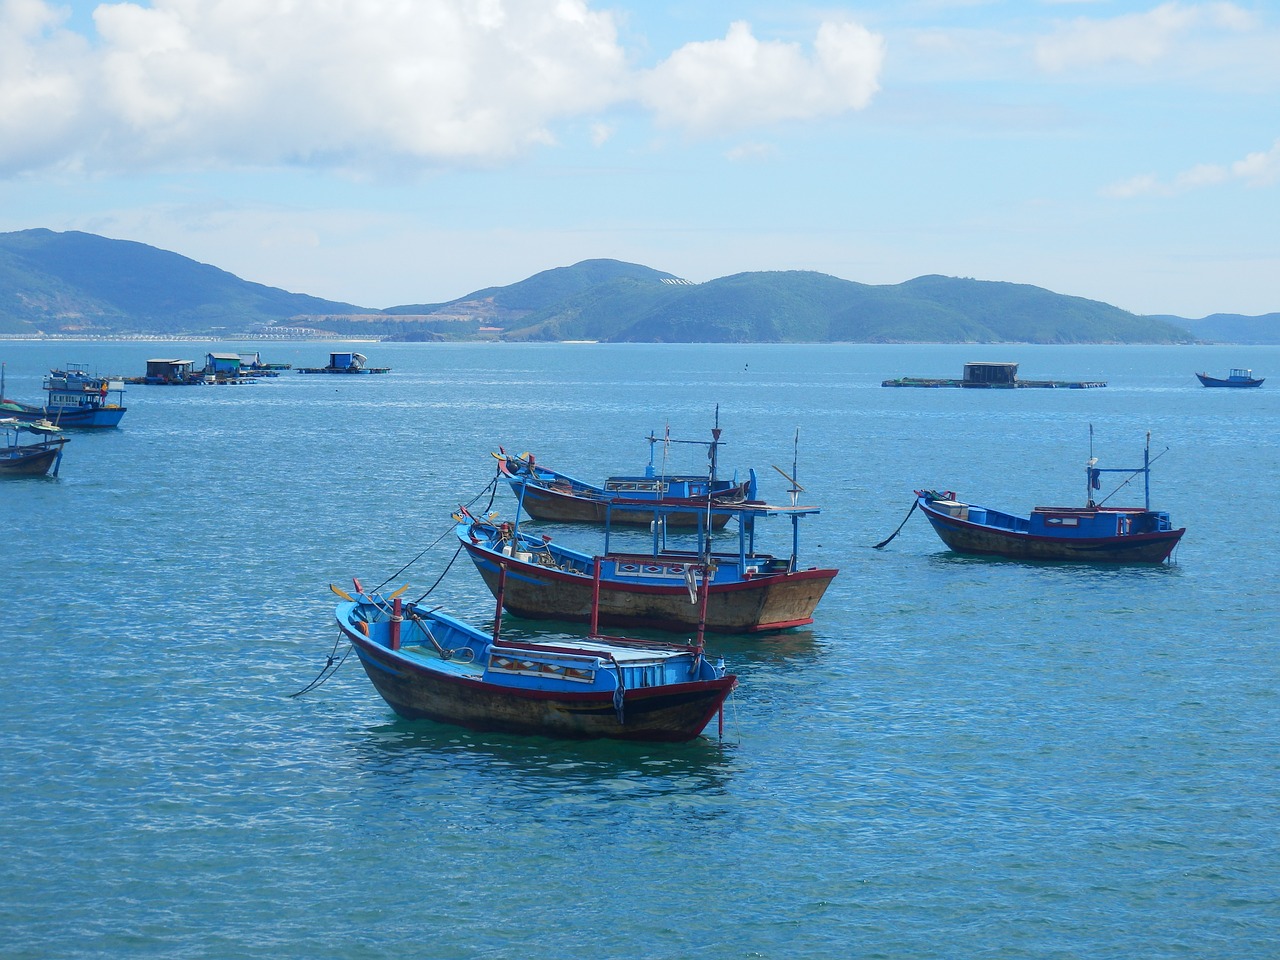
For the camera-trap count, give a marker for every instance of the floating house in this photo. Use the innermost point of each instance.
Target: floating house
(165, 371)
(222, 366)
(992, 375)
(346, 363)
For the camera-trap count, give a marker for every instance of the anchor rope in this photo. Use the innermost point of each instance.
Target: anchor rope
(885, 541)
(325, 671)
(492, 488)
(332, 663)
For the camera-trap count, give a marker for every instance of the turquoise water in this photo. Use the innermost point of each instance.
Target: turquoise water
(961, 758)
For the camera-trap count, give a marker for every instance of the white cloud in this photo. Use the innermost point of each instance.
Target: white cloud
(1260, 169)
(360, 83)
(232, 81)
(739, 82)
(1137, 38)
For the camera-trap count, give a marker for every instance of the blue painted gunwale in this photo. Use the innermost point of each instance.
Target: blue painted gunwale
(39, 458)
(749, 592)
(1093, 533)
(547, 494)
(75, 399)
(597, 687)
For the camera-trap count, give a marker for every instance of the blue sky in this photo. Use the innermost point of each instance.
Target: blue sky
(385, 152)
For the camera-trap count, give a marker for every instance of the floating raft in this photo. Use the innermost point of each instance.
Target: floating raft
(346, 363)
(992, 376)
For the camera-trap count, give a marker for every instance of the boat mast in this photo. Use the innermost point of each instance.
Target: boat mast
(1146, 473)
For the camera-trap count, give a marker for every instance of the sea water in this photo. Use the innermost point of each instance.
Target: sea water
(960, 758)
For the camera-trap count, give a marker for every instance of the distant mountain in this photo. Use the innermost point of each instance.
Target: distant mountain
(1233, 328)
(82, 283)
(69, 283)
(799, 306)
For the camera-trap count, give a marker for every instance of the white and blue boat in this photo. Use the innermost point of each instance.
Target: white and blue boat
(427, 665)
(75, 398)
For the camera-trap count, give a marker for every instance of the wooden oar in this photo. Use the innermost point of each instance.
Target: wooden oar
(885, 542)
(342, 593)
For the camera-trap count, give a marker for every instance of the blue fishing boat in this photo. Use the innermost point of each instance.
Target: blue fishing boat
(749, 591)
(1237, 377)
(39, 458)
(1093, 533)
(547, 494)
(428, 665)
(74, 399)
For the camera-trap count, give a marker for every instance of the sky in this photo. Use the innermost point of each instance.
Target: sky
(389, 152)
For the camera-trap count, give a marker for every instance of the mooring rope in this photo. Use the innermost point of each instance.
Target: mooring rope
(885, 542)
(325, 671)
(492, 488)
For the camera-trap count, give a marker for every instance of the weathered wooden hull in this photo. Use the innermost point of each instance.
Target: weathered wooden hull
(29, 462)
(972, 538)
(545, 504)
(770, 602)
(672, 713)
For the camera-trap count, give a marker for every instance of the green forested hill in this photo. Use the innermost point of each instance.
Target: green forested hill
(79, 282)
(799, 306)
(68, 283)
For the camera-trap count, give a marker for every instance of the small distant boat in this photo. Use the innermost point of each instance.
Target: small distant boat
(1092, 533)
(546, 494)
(39, 458)
(1238, 377)
(75, 399)
(346, 363)
(428, 665)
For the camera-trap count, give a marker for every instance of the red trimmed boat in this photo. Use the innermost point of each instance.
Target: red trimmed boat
(749, 591)
(1093, 533)
(427, 665)
(546, 494)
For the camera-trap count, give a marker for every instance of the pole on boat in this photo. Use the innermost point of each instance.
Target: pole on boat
(595, 597)
(708, 571)
(502, 589)
(397, 616)
(1146, 473)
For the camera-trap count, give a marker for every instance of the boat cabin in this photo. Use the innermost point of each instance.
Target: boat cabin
(1095, 521)
(1240, 373)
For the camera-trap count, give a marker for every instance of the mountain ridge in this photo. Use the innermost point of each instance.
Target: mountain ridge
(59, 284)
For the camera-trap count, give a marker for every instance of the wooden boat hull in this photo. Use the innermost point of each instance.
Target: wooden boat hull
(772, 602)
(461, 692)
(542, 503)
(967, 537)
(30, 462)
(674, 714)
